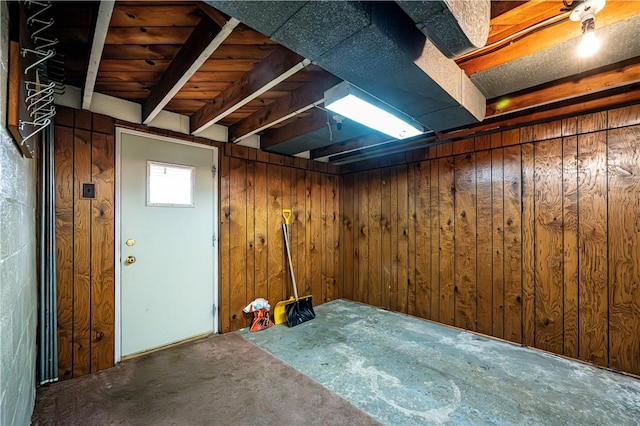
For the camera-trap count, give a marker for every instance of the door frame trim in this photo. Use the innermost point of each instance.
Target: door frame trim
(118, 231)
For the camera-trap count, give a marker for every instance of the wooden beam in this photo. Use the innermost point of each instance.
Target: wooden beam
(617, 75)
(275, 68)
(501, 7)
(213, 13)
(317, 119)
(206, 37)
(286, 107)
(533, 41)
(99, 35)
(524, 15)
(591, 102)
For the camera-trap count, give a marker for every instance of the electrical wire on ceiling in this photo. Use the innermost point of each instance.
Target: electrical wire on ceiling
(489, 48)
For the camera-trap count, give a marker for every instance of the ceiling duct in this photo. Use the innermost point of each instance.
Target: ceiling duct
(454, 26)
(375, 46)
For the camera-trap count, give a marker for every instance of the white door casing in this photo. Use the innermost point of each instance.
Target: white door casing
(169, 294)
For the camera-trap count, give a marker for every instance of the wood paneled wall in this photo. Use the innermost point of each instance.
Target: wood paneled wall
(530, 235)
(84, 153)
(254, 188)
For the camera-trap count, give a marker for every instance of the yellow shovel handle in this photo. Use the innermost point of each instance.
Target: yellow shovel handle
(286, 214)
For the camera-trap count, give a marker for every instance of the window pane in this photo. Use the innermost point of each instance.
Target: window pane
(169, 184)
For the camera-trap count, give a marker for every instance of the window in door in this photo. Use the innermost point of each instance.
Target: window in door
(170, 185)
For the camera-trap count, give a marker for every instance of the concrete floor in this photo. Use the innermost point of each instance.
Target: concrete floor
(403, 370)
(221, 380)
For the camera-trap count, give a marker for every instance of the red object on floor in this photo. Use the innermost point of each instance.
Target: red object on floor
(260, 320)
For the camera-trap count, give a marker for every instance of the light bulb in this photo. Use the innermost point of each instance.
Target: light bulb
(589, 44)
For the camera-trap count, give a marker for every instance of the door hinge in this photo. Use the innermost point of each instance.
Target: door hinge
(214, 239)
(214, 170)
(215, 309)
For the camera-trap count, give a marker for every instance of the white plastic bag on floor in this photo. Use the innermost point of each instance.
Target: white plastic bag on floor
(259, 303)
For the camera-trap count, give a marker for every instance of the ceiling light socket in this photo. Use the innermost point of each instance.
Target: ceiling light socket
(587, 7)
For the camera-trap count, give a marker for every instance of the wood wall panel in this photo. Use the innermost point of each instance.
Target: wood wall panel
(528, 246)
(624, 264)
(512, 244)
(335, 208)
(102, 252)
(410, 304)
(363, 238)
(238, 241)
(225, 235)
(592, 226)
(570, 244)
(315, 217)
(250, 232)
(81, 255)
(300, 225)
(548, 242)
(393, 238)
(275, 236)
(386, 265)
(423, 241)
(346, 236)
(535, 236)
(63, 158)
(484, 249)
(260, 230)
(288, 201)
(434, 217)
(465, 242)
(85, 243)
(374, 295)
(446, 208)
(497, 242)
(355, 230)
(403, 238)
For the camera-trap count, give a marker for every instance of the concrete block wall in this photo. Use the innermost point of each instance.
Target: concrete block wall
(18, 277)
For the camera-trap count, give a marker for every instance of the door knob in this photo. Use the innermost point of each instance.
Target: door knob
(129, 260)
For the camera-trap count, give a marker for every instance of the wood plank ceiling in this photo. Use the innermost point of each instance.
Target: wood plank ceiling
(187, 57)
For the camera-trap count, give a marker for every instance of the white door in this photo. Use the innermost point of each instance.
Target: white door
(166, 242)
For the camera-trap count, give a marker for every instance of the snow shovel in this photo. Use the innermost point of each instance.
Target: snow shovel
(279, 312)
(297, 309)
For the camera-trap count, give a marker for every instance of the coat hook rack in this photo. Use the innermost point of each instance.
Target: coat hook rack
(44, 76)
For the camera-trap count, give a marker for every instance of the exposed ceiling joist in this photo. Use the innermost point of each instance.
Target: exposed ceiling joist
(613, 76)
(277, 67)
(611, 98)
(206, 37)
(297, 102)
(314, 121)
(243, 84)
(105, 11)
(213, 14)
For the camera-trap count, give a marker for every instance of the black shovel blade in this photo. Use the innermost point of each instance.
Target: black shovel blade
(299, 311)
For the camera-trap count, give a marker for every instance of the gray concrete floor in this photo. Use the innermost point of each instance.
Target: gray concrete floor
(405, 371)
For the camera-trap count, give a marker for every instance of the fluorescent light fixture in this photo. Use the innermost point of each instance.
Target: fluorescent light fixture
(357, 105)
